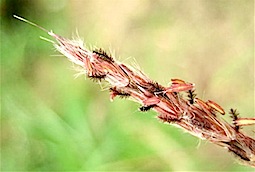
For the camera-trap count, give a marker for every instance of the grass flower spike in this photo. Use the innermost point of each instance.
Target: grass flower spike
(176, 104)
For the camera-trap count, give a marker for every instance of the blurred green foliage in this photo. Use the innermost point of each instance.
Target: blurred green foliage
(51, 121)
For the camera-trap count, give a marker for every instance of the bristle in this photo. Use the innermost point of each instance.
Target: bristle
(31, 23)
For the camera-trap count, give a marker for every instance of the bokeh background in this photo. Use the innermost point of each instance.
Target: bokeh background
(52, 121)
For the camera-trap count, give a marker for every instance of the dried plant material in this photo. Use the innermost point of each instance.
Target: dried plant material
(194, 115)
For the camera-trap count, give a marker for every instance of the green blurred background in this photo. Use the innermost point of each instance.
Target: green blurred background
(52, 121)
